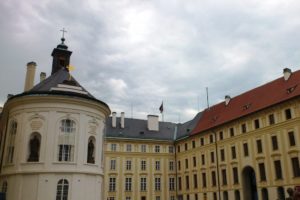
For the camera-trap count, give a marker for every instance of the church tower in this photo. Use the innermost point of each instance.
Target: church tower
(52, 139)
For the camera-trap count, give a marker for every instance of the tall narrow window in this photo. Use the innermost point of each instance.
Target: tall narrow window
(34, 147)
(292, 138)
(213, 178)
(288, 113)
(128, 147)
(113, 147)
(157, 165)
(225, 195)
(171, 183)
(193, 144)
(4, 186)
(157, 184)
(66, 140)
(171, 149)
(231, 130)
(235, 175)
(233, 152)
(278, 171)
(143, 184)
(187, 182)
(179, 165)
(271, 119)
(222, 152)
(264, 194)
(143, 148)
(296, 167)
(221, 135)
(201, 141)
(256, 124)
(211, 138)
(157, 149)
(171, 165)
(204, 179)
(185, 146)
(244, 128)
(274, 142)
(113, 164)
(212, 157)
(143, 165)
(194, 161)
(112, 184)
(62, 189)
(237, 195)
(179, 183)
(91, 151)
(262, 171)
(259, 146)
(186, 163)
(224, 177)
(11, 142)
(195, 181)
(246, 150)
(127, 184)
(128, 165)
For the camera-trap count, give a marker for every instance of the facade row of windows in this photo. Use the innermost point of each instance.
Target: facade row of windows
(143, 165)
(256, 122)
(143, 148)
(66, 144)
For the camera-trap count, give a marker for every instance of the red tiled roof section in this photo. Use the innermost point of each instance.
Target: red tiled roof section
(254, 100)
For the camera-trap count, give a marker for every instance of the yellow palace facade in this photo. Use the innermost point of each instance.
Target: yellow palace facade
(246, 147)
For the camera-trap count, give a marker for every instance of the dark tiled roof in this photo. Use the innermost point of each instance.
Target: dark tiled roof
(137, 129)
(62, 76)
(259, 98)
(186, 128)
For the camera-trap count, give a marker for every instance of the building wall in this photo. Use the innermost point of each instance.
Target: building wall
(280, 129)
(136, 156)
(43, 115)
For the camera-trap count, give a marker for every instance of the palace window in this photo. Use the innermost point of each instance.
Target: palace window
(292, 138)
(204, 179)
(213, 178)
(113, 147)
(256, 124)
(127, 184)
(66, 140)
(259, 146)
(143, 165)
(193, 144)
(295, 166)
(246, 150)
(171, 184)
(11, 142)
(4, 186)
(157, 165)
(224, 177)
(195, 181)
(202, 141)
(186, 163)
(244, 128)
(62, 189)
(271, 119)
(179, 183)
(179, 165)
(171, 165)
(128, 164)
(112, 164)
(157, 148)
(231, 130)
(171, 149)
(278, 170)
(112, 184)
(143, 148)
(143, 184)
(222, 152)
(235, 175)
(221, 135)
(237, 195)
(288, 113)
(262, 171)
(34, 147)
(211, 138)
(128, 147)
(203, 159)
(187, 182)
(157, 184)
(233, 152)
(185, 146)
(194, 161)
(212, 157)
(274, 142)
(178, 148)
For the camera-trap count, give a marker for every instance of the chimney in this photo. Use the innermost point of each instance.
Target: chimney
(114, 120)
(42, 76)
(153, 123)
(227, 99)
(287, 73)
(29, 80)
(122, 119)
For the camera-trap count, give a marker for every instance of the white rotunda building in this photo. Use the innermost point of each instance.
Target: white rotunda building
(52, 138)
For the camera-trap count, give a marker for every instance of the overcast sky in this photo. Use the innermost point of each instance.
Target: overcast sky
(136, 54)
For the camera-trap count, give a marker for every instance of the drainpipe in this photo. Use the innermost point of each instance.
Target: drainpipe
(217, 159)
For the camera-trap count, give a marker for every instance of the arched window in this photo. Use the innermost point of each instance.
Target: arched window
(91, 150)
(11, 141)
(34, 147)
(66, 140)
(264, 194)
(4, 186)
(62, 190)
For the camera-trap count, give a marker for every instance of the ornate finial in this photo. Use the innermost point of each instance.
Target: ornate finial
(63, 35)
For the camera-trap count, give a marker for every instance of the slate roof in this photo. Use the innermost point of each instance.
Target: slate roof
(137, 129)
(62, 76)
(259, 98)
(185, 129)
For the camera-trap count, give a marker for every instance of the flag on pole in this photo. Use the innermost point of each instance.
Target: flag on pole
(161, 108)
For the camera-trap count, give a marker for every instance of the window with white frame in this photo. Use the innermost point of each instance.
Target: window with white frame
(62, 189)
(113, 147)
(157, 149)
(157, 165)
(11, 141)
(143, 165)
(157, 184)
(143, 183)
(171, 183)
(128, 164)
(171, 165)
(66, 140)
(113, 164)
(143, 148)
(127, 184)
(112, 184)
(128, 147)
